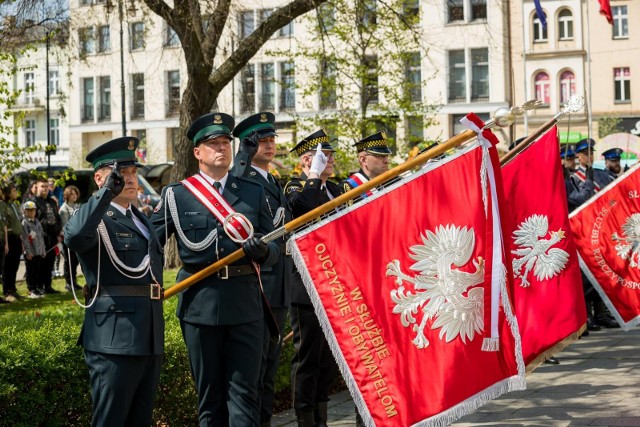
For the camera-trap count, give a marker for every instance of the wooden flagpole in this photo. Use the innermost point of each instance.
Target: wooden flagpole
(504, 117)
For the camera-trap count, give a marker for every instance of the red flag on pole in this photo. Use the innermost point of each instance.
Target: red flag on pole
(548, 297)
(401, 282)
(605, 9)
(607, 230)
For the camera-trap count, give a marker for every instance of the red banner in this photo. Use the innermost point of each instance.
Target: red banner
(547, 295)
(605, 9)
(607, 230)
(401, 283)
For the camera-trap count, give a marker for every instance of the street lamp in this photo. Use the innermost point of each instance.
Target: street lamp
(131, 10)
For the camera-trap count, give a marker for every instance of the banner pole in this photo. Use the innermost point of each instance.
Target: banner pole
(504, 117)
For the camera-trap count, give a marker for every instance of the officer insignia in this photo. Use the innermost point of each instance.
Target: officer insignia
(444, 296)
(628, 245)
(217, 119)
(535, 252)
(384, 135)
(263, 118)
(131, 145)
(233, 185)
(110, 213)
(252, 173)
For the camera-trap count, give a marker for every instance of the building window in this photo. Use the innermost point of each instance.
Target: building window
(87, 38)
(247, 23)
(286, 31)
(457, 76)
(326, 16)
(411, 9)
(173, 91)
(620, 22)
(137, 92)
(267, 76)
(263, 15)
(287, 86)
(480, 74)
(29, 88)
(622, 84)
(54, 82)
(248, 84)
(478, 9)
(30, 132)
(413, 77)
(328, 95)
(371, 79)
(567, 86)
(104, 39)
(539, 30)
(54, 132)
(415, 130)
(171, 37)
(542, 87)
(369, 13)
(105, 98)
(565, 25)
(87, 95)
(455, 10)
(137, 36)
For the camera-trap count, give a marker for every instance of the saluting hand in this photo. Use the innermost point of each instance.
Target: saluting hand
(115, 181)
(249, 144)
(319, 162)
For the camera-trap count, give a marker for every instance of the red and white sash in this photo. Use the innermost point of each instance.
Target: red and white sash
(580, 174)
(236, 225)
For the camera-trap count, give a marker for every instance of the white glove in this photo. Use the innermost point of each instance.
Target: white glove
(319, 162)
(32, 234)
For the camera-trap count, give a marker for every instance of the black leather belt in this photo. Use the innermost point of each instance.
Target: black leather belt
(152, 291)
(224, 273)
(283, 249)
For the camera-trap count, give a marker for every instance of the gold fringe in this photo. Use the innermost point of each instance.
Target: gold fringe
(555, 349)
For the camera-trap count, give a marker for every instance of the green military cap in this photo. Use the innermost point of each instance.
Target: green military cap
(121, 150)
(374, 144)
(209, 126)
(310, 143)
(261, 123)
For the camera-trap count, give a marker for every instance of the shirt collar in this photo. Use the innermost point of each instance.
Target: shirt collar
(222, 181)
(122, 210)
(262, 172)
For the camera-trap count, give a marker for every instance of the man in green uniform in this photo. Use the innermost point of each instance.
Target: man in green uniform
(257, 149)
(222, 316)
(121, 257)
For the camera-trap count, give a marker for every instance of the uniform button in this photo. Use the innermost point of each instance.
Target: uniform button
(126, 245)
(221, 249)
(191, 225)
(112, 307)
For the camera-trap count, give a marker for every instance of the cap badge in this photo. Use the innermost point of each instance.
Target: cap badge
(217, 119)
(131, 145)
(263, 118)
(384, 135)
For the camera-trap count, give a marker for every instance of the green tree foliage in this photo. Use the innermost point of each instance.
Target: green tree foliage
(608, 125)
(364, 66)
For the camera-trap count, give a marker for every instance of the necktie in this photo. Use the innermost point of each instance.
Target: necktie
(271, 179)
(128, 213)
(217, 185)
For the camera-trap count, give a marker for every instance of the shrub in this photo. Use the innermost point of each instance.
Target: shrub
(45, 382)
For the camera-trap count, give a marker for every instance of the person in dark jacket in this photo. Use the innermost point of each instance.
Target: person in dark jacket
(121, 257)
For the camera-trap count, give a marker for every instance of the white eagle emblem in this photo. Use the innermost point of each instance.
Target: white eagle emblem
(628, 246)
(535, 252)
(441, 291)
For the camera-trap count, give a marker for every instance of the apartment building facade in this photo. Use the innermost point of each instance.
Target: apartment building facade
(480, 55)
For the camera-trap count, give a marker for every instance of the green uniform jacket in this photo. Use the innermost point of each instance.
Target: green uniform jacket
(277, 279)
(117, 325)
(216, 301)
